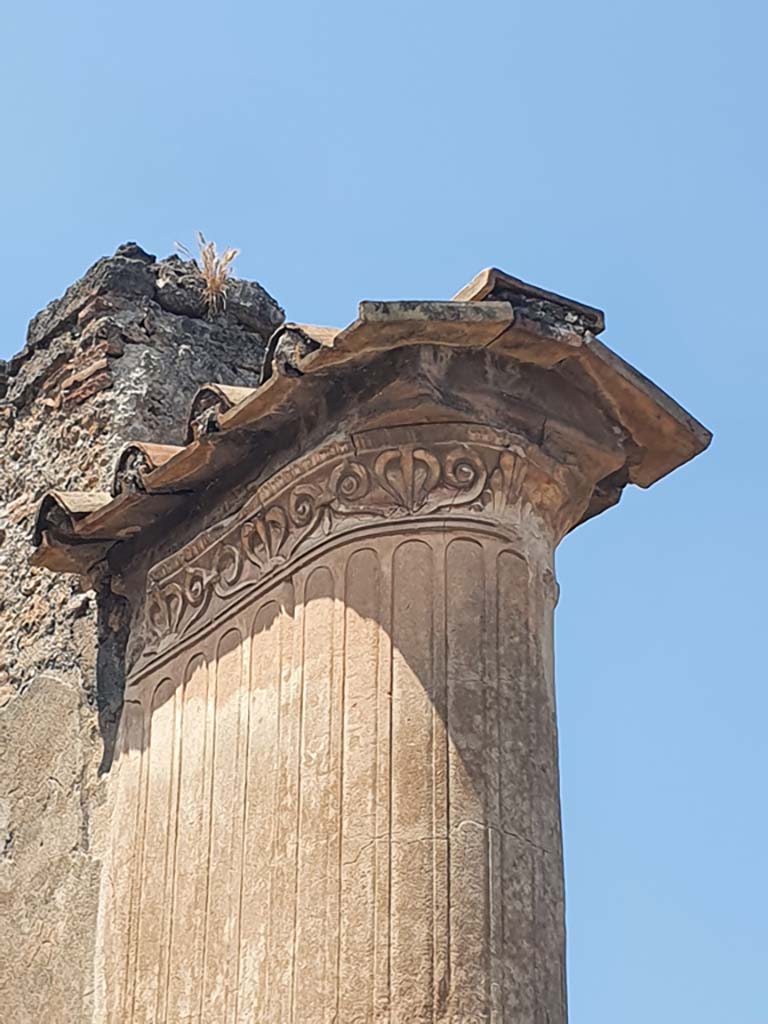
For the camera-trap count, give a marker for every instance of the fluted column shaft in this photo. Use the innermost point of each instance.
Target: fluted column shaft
(341, 780)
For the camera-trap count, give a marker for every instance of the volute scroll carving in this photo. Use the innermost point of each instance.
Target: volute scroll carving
(385, 475)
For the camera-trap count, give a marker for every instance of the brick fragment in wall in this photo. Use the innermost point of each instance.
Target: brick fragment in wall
(99, 382)
(86, 370)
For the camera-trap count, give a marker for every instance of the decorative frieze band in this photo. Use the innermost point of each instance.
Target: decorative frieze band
(385, 475)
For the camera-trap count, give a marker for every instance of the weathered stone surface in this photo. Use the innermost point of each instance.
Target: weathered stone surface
(333, 793)
(116, 368)
(128, 273)
(103, 365)
(340, 743)
(49, 879)
(341, 726)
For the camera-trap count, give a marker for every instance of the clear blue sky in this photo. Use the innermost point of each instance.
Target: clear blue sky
(614, 151)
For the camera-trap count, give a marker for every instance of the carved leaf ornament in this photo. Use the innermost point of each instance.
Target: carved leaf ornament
(483, 475)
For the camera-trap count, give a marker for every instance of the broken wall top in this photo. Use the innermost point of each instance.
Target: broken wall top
(130, 287)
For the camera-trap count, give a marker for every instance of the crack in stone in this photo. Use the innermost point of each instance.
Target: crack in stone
(395, 841)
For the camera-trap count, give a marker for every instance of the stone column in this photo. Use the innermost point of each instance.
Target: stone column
(425, 811)
(336, 787)
(450, 865)
(370, 794)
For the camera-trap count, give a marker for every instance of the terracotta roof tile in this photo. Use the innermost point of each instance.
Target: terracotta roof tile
(210, 401)
(491, 283)
(61, 510)
(125, 516)
(136, 463)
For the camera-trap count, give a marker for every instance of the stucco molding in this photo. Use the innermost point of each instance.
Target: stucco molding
(412, 473)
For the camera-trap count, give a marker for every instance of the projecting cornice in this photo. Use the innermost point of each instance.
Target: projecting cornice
(544, 369)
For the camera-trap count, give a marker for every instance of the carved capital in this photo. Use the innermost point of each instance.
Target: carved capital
(379, 477)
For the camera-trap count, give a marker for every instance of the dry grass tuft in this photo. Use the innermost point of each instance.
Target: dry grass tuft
(215, 269)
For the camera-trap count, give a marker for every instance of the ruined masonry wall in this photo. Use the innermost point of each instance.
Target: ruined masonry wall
(117, 358)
